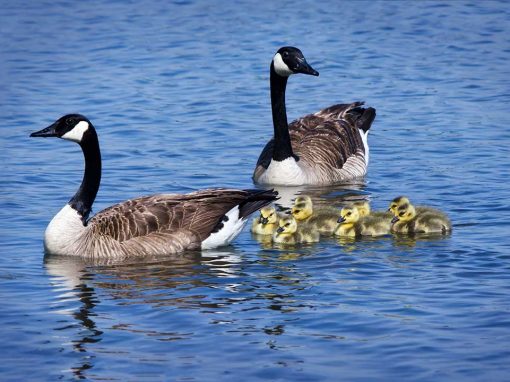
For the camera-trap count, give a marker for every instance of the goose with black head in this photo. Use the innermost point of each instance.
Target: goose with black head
(327, 147)
(150, 225)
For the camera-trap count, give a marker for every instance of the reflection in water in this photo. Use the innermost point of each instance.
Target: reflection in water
(211, 282)
(410, 240)
(324, 195)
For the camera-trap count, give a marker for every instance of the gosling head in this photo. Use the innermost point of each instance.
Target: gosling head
(405, 213)
(287, 226)
(303, 208)
(72, 127)
(396, 203)
(289, 60)
(268, 215)
(363, 207)
(349, 215)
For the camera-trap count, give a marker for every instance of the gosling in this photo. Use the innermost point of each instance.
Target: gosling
(323, 219)
(352, 224)
(288, 232)
(400, 201)
(409, 220)
(266, 223)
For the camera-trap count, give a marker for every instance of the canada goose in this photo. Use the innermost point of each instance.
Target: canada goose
(327, 147)
(289, 232)
(352, 224)
(149, 225)
(324, 219)
(266, 223)
(364, 209)
(409, 220)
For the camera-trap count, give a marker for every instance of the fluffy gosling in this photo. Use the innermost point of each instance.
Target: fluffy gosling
(266, 223)
(400, 201)
(323, 219)
(288, 232)
(409, 220)
(352, 224)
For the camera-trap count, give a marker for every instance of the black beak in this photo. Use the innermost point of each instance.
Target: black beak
(47, 132)
(389, 209)
(279, 230)
(394, 220)
(341, 219)
(263, 221)
(305, 68)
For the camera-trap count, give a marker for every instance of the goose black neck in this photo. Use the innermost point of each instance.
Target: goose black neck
(282, 147)
(84, 198)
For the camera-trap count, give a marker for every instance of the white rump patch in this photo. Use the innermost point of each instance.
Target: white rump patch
(281, 67)
(231, 228)
(76, 134)
(286, 173)
(364, 138)
(64, 231)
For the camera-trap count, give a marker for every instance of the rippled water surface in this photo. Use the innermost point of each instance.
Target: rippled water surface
(179, 95)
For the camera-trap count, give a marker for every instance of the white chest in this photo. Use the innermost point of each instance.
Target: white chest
(63, 232)
(286, 172)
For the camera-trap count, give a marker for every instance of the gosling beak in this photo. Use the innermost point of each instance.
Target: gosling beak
(47, 132)
(263, 220)
(279, 230)
(389, 209)
(394, 220)
(341, 219)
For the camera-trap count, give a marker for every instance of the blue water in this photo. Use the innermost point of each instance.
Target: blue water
(179, 95)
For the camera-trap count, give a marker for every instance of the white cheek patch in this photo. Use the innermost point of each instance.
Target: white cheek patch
(281, 67)
(76, 134)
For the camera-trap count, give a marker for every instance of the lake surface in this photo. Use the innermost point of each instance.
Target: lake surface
(179, 94)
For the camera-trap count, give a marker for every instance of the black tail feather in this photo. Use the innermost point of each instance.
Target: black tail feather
(256, 200)
(364, 122)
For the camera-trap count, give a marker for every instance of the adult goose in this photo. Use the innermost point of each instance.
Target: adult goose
(149, 225)
(327, 147)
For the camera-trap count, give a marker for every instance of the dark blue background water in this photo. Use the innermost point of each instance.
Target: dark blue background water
(179, 94)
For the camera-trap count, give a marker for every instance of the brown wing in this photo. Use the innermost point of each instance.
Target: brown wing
(328, 137)
(166, 215)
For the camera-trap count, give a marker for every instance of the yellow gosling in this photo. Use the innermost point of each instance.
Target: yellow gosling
(409, 220)
(352, 224)
(323, 219)
(400, 201)
(266, 223)
(288, 232)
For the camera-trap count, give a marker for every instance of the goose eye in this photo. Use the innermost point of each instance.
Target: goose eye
(70, 122)
(285, 54)
(271, 214)
(401, 214)
(349, 213)
(286, 225)
(297, 211)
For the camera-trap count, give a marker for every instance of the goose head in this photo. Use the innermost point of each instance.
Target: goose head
(268, 215)
(289, 60)
(287, 226)
(349, 215)
(399, 201)
(405, 213)
(302, 208)
(72, 127)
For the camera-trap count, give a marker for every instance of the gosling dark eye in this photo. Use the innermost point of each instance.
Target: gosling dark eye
(297, 211)
(271, 214)
(401, 214)
(349, 213)
(286, 225)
